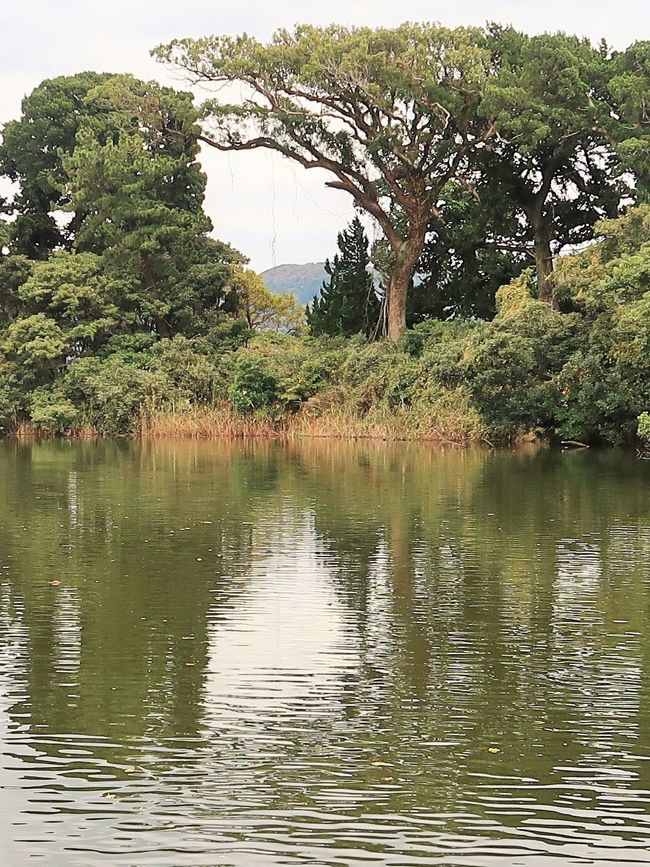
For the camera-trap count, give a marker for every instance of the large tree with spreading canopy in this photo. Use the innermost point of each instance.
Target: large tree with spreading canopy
(390, 114)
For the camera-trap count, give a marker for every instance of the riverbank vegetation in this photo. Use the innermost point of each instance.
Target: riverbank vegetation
(507, 296)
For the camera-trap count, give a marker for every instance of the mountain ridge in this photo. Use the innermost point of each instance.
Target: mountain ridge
(302, 279)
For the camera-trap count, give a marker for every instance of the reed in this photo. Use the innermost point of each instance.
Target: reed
(25, 430)
(207, 422)
(337, 416)
(336, 422)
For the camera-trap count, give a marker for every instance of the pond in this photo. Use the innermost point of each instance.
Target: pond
(323, 653)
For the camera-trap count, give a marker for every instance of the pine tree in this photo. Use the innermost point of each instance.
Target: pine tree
(348, 303)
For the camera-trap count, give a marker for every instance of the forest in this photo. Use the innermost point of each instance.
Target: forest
(507, 295)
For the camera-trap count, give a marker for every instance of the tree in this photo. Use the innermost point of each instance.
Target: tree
(72, 291)
(348, 303)
(629, 87)
(262, 309)
(552, 154)
(31, 155)
(54, 311)
(468, 255)
(14, 271)
(141, 193)
(140, 263)
(64, 118)
(390, 114)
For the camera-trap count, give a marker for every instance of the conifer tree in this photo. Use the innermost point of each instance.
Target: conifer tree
(348, 303)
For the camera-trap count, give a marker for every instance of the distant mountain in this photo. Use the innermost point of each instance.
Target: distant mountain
(304, 281)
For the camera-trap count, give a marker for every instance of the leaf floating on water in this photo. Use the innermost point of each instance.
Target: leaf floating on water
(493, 750)
(55, 583)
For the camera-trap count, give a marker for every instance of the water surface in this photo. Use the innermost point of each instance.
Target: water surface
(323, 654)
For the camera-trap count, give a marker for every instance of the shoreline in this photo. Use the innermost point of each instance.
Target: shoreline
(216, 423)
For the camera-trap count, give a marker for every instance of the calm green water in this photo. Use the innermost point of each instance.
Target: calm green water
(325, 654)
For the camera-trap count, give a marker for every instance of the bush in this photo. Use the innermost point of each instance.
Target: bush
(52, 412)
(114, 396)
(511, 366)
(194, 373)
(254, 387)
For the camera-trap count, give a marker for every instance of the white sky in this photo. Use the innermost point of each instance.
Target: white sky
(273, 211)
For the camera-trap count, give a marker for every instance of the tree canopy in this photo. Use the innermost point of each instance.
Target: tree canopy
(553, 155)
(547, 128)
(31, 155)
(629, 87)
(261, 309)
(140, 123)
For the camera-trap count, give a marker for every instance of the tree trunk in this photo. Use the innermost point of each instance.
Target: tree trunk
(397, 291)
(162, 327)
(543, 264)
(542, 226)
(406, 259)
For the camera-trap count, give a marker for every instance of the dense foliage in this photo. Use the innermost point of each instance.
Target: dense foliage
(581, 372)
(85, 302)
(481, 154)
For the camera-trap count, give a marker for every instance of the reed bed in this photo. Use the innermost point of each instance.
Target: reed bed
(335, 422)
(25, 430)
(207, 422)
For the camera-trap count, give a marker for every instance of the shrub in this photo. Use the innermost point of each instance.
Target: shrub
(52, 412)
(194, 373)
(512, 365)
(254, 386)
(113, 395)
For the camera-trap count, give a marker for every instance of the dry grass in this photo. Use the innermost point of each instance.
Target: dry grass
(207, 423)
(26, 430)
(334, 422)
(452, 422)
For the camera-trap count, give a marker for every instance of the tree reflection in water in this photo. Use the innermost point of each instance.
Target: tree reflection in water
(348, 646)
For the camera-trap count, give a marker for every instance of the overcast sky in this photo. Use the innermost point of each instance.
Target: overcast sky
(273, 211)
